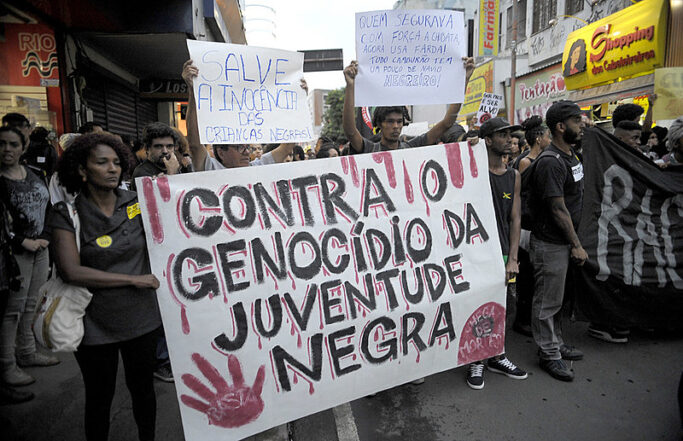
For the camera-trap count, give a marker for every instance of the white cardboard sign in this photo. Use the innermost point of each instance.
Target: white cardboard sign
(289, 289)
(490, 104)
(249, 95)
(410, 57)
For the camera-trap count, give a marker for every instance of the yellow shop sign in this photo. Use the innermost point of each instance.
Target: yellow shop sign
(625, 44)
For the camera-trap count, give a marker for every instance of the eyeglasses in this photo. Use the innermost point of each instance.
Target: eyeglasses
(241, 149)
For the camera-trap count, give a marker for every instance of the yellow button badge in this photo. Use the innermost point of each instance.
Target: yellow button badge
(104, 241)
(133, 210)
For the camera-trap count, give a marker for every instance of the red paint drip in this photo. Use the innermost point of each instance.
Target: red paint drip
(298, 341)
(311, 389)
(184, 321)
(388, 160)
(345, 165)
(410, 197)
(354, 171)
(455, 164)
(473, 161)
(164, 189)
(153, 210)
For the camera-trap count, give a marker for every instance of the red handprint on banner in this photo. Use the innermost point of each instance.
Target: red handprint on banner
(230, 406)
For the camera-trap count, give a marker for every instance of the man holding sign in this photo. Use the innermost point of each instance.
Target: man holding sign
(243, 95)
(390, 120)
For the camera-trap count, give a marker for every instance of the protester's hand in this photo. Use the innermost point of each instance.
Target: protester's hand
(350, 73)
(230, 405)
(145, 281)
(43, 243)
(32, 245)
(189, 72)
(579, 255)
(172, 164)
(186, 161)
(511, 270)
(651, 99)
(468, 62)
(304, 85)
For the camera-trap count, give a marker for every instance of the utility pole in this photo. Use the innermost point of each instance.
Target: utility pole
(513, 63)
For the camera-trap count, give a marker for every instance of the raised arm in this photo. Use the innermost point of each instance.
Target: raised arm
(197, 150)
(348, 115)
(435, 133)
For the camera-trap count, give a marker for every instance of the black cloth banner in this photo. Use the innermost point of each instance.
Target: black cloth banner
(632, 229)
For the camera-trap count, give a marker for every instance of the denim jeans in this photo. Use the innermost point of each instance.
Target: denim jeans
(551, 262)
(16, 334)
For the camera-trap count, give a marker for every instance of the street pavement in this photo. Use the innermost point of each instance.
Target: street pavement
(621, 392)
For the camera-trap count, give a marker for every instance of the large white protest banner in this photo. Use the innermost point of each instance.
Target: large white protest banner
(289, 289)
(410, 57)
(249, 94)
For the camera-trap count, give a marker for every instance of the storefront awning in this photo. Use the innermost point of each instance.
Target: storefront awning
(633, 87)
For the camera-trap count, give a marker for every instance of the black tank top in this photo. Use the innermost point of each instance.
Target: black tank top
(503, 192)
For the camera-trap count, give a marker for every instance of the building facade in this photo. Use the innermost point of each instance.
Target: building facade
(116, 64)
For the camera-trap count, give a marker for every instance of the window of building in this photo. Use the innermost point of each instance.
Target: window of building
(544, 11)
(521, 23)
(573, 6)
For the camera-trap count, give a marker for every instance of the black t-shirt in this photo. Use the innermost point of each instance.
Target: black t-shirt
(27, 201)
(42, 156)
(555, 175)
(115, 244)
(503, 192)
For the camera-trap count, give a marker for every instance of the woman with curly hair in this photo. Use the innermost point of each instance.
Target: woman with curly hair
(537, 136)
(123, 316)
(27, 200)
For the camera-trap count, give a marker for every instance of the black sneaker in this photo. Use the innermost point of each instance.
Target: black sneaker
(506, 367)
(557, 369)
(610, 335)
(164, 373)
(569, 352)
(475, 376)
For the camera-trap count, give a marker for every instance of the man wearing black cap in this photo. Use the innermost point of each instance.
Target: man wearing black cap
(556, 199)
(505, 189)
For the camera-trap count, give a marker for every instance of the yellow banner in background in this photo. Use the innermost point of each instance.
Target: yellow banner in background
(481, 81)
(488, 28)
(628, 43)
(669, 91)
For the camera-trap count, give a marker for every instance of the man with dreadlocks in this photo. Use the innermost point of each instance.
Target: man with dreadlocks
(390, 120)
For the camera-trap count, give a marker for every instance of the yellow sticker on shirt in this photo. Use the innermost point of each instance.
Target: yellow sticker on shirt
(104, 241)
(133, 210)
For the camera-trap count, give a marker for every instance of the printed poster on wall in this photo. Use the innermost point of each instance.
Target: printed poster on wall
(249, 94)
(289, 289)
(410, 57)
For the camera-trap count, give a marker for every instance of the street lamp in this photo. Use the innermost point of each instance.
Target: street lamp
(555, 20)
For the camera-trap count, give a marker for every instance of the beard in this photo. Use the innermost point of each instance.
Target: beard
(571, 137)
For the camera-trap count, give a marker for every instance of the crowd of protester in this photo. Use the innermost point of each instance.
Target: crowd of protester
(95, 174)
